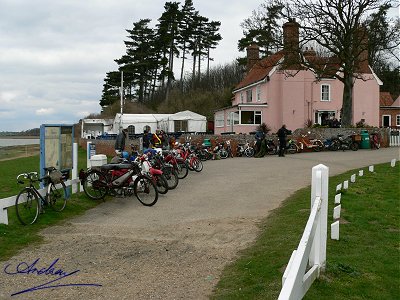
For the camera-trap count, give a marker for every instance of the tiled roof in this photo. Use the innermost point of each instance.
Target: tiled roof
(385, 99)
(260, 70)
(329, 65)
(397, 102)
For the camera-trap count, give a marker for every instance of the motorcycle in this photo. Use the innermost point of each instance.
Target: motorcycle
(305, 143)
(220, 151)
(123, 179)
(347, 143)
(272, 148)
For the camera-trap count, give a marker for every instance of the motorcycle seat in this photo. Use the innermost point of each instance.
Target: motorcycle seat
(108, 167)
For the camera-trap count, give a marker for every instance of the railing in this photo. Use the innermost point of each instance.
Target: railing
(311, 252)
(394, 137)
(5, 203)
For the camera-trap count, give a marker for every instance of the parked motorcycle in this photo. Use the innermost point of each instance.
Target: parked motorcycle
(272, 148)
(306, 143)
(220, 151)
(347, 143)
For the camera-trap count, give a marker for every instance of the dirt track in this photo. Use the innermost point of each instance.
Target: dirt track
(177, 248)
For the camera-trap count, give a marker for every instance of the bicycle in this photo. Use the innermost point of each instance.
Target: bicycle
(27, 203)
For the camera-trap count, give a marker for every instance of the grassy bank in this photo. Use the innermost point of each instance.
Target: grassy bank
(15, 236)
(11, 152)
(364, 264)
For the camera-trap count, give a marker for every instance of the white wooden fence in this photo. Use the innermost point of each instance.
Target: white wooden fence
(311, 252)
(5, 203)
(394, 138)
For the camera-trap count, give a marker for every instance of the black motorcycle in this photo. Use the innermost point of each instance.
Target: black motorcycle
(347, 143)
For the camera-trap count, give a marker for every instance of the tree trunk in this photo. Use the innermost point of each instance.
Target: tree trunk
(183, 64)
(347, 106)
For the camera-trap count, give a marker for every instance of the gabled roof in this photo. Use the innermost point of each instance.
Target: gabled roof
(186, 115)
(260, 70)
(385, 99)
(396, 103)
(329, 65)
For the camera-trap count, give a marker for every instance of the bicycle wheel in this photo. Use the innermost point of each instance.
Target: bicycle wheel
(27, 206)
(223, 154)
(335, 145)
(292, 149)
(249, 152)
(182, 170)
(197, 164)
(161, 183)
(57, 198)
(95, 185)
(145, 190)
(171, 176)
(354, 146)
(318, 146)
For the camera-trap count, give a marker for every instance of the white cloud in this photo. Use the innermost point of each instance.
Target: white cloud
(45, 111)
(54, 54)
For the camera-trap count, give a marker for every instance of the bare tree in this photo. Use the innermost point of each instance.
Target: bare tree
(339, 27)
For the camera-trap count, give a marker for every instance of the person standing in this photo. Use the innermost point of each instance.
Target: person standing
(260, 136)
(120, 141)
(282, 133)
(147, 136)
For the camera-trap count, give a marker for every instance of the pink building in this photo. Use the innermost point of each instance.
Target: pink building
(268, 95)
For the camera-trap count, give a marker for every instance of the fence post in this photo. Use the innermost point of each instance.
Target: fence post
(319, 187)
(74, 174)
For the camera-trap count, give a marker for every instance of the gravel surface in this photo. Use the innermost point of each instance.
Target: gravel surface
(177, 248)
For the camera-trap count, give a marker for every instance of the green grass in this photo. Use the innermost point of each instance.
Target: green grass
(15, 236)
(363, 264)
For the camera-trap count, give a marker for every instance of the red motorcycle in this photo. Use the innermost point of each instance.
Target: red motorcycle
(124, 179)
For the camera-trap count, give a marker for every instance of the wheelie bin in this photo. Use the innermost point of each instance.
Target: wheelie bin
(365, 143)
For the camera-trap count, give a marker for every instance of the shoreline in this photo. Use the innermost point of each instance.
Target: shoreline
(19, 137)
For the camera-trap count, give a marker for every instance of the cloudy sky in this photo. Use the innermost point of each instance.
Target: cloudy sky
(54, 54)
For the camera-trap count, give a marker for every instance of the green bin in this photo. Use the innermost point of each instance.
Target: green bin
(365, 144)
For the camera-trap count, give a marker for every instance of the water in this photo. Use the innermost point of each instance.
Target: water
(18, 142)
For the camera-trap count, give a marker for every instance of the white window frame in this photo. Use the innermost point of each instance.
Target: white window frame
(390, 120)
(255, 113)
(249, 95)
(323, 92)
(236, 117)
(219, 119)
(241, 97)
(398, 120)
(258, 93)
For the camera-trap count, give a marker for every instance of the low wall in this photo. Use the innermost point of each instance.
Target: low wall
(107, 146)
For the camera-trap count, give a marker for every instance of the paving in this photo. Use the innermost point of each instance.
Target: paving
(177, 248)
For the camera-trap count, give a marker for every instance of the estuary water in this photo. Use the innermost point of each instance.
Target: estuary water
(4, 142)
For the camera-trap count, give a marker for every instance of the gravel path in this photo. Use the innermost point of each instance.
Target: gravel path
(177, 248)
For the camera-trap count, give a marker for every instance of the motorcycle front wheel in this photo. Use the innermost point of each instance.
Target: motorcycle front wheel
(249, 152)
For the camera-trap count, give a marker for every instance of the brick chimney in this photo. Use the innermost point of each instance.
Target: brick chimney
(291, 42)
(253, 56)
(362, 40)
(291, 35)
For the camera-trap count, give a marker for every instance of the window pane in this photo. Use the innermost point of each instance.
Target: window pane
(247, 117)
(249, 95)
(236, 117)
(219, 120)
(325, 92)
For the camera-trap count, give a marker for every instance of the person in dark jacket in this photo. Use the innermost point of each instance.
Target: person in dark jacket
(260, 136)
(147, 140)
(282, 133)
(120, 141)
